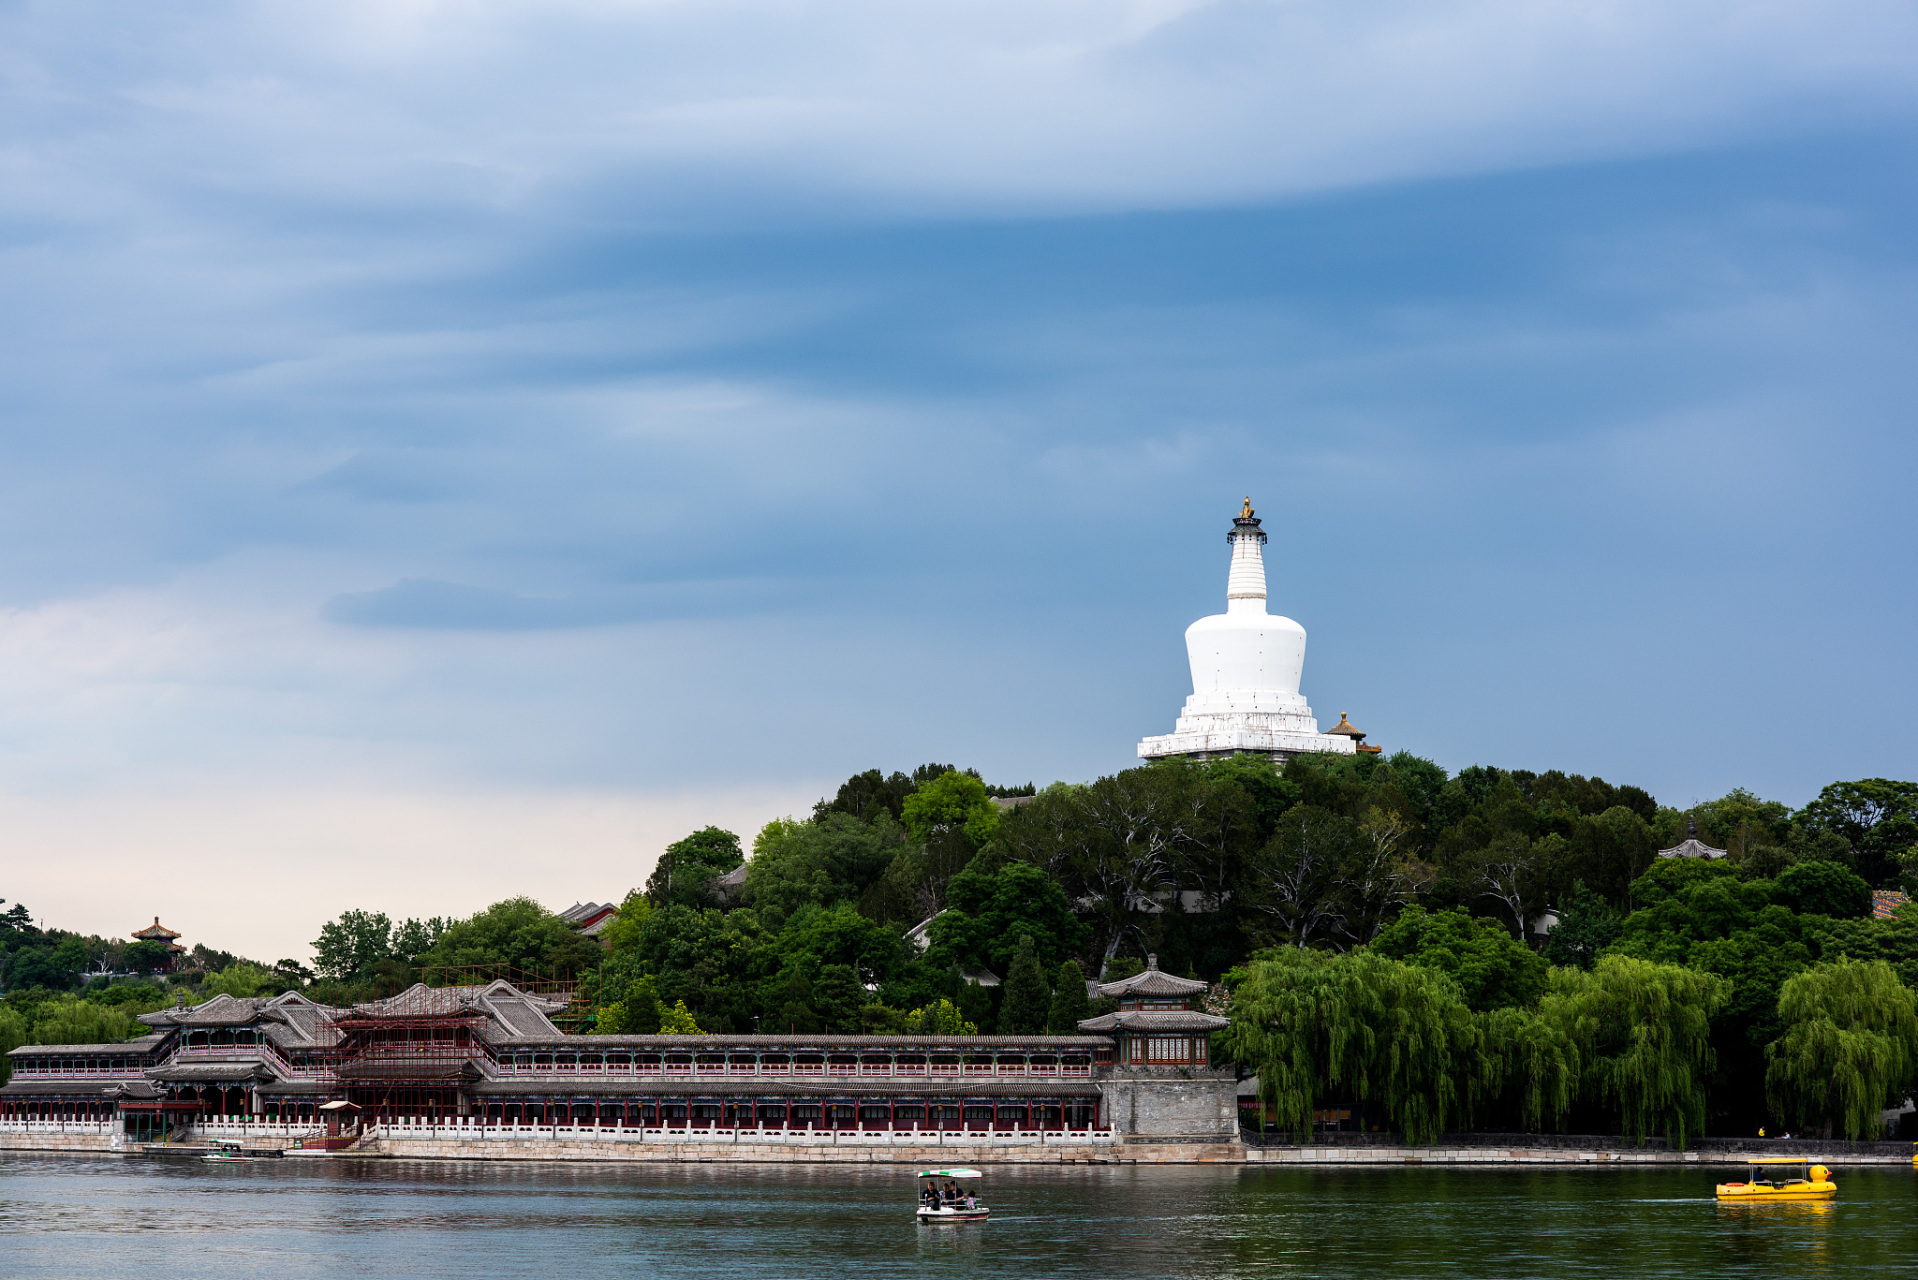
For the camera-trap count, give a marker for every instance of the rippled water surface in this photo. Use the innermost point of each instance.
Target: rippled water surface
(179, 1220)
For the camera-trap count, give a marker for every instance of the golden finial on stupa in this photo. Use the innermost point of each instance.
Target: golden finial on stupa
(1246, 512)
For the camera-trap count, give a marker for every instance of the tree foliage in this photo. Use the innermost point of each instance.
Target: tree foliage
(1070, 1003)
(951, 802)
(687, 866)
(1319, 1026)
(1028, 997)
(1849, 1048)
(1492, 969)
(1643, 1035)
(515, 934)
(1876, 817)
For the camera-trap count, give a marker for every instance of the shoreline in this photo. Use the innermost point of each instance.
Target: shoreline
(1555, 1152)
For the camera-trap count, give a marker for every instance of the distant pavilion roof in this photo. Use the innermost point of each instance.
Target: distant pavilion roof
(1691, 846)
(156, 932)
(1347, 728)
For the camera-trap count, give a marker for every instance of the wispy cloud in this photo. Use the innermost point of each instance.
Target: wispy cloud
(654, 400)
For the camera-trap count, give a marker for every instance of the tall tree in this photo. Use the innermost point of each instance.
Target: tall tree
(1027, 999)
(688, 865)
(1319, 1026)
(1070, 1003)
(353, 944)
(837, 996)
(1849, 1048)
(1587, 924)
(1294, 881)
(1877, 816)
(1492, 969)
(517, 934)
(953, 801)
(1643, 1033)
(989, 917)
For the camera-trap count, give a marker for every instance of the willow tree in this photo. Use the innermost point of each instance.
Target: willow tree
(1360, 1027)
(1538, 1064)
(1849, 1048)
(1643, 1037)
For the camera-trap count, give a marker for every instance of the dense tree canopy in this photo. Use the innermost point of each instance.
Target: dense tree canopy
(1494, 947)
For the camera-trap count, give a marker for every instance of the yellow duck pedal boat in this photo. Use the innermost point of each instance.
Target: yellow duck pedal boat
(1780, 1178)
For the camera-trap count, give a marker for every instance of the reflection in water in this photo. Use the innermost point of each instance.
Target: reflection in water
(1785, 1219)
(86, 1217)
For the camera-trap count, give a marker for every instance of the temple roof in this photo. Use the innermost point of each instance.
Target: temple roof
(135, 1047)
(155, 931)
(209, 1072)
(70, 1089)
(590, 917)
(1346, 727)
(852, 1087)
(725, 1042)
(1156, 1020)
(1691, 846)
(1152, 983)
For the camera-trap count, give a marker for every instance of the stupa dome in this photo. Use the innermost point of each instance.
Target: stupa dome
(1246, 666)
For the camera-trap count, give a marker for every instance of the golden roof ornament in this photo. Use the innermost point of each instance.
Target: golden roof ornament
(1245, 513)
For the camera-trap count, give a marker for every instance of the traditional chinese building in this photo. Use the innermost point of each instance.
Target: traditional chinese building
(1162, 1081)
(491, 1056)
(157, 932)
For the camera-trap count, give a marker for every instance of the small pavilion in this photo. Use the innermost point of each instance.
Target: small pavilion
(157, 932)
(1345, 728)
(1157, 1024)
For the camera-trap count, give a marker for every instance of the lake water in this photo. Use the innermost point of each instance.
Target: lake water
(179, 1220)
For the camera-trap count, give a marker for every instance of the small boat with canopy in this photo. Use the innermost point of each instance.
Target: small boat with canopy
(227, 1151)
(1771, 1178)
(945, 1195)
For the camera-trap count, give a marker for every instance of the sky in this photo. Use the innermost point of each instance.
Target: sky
(451, 449)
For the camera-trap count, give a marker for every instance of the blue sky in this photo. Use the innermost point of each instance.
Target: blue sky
(451, 449)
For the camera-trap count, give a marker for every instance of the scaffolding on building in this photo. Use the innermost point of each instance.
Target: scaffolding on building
(412, 1054)
(579, 991)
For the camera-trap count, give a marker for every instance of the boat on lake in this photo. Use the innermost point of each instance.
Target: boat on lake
(949, 1203)
(227, 1151)
(1769, 1178)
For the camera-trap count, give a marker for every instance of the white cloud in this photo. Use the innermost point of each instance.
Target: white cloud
(956, 104)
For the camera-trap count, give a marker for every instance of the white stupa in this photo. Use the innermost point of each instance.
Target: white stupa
(1246, 665)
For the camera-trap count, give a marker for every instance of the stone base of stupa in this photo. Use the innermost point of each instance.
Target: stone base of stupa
(1211, 733)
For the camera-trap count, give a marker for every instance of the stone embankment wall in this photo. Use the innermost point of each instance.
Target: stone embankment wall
(1453, 1150)
(93, 1142)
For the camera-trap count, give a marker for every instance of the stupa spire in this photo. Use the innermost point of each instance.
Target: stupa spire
(1245, 582)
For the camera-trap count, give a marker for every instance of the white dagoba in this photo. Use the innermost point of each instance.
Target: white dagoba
(1246, 665)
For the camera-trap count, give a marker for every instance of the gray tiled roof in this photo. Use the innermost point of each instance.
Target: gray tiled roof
(59, 1088)
(1152, 982)
(142, 1045)
(1155, 1020)
(209, 1072)
(762, 1087)
(724, 1043)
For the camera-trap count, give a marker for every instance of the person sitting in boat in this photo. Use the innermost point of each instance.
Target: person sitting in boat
(952, 1192)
